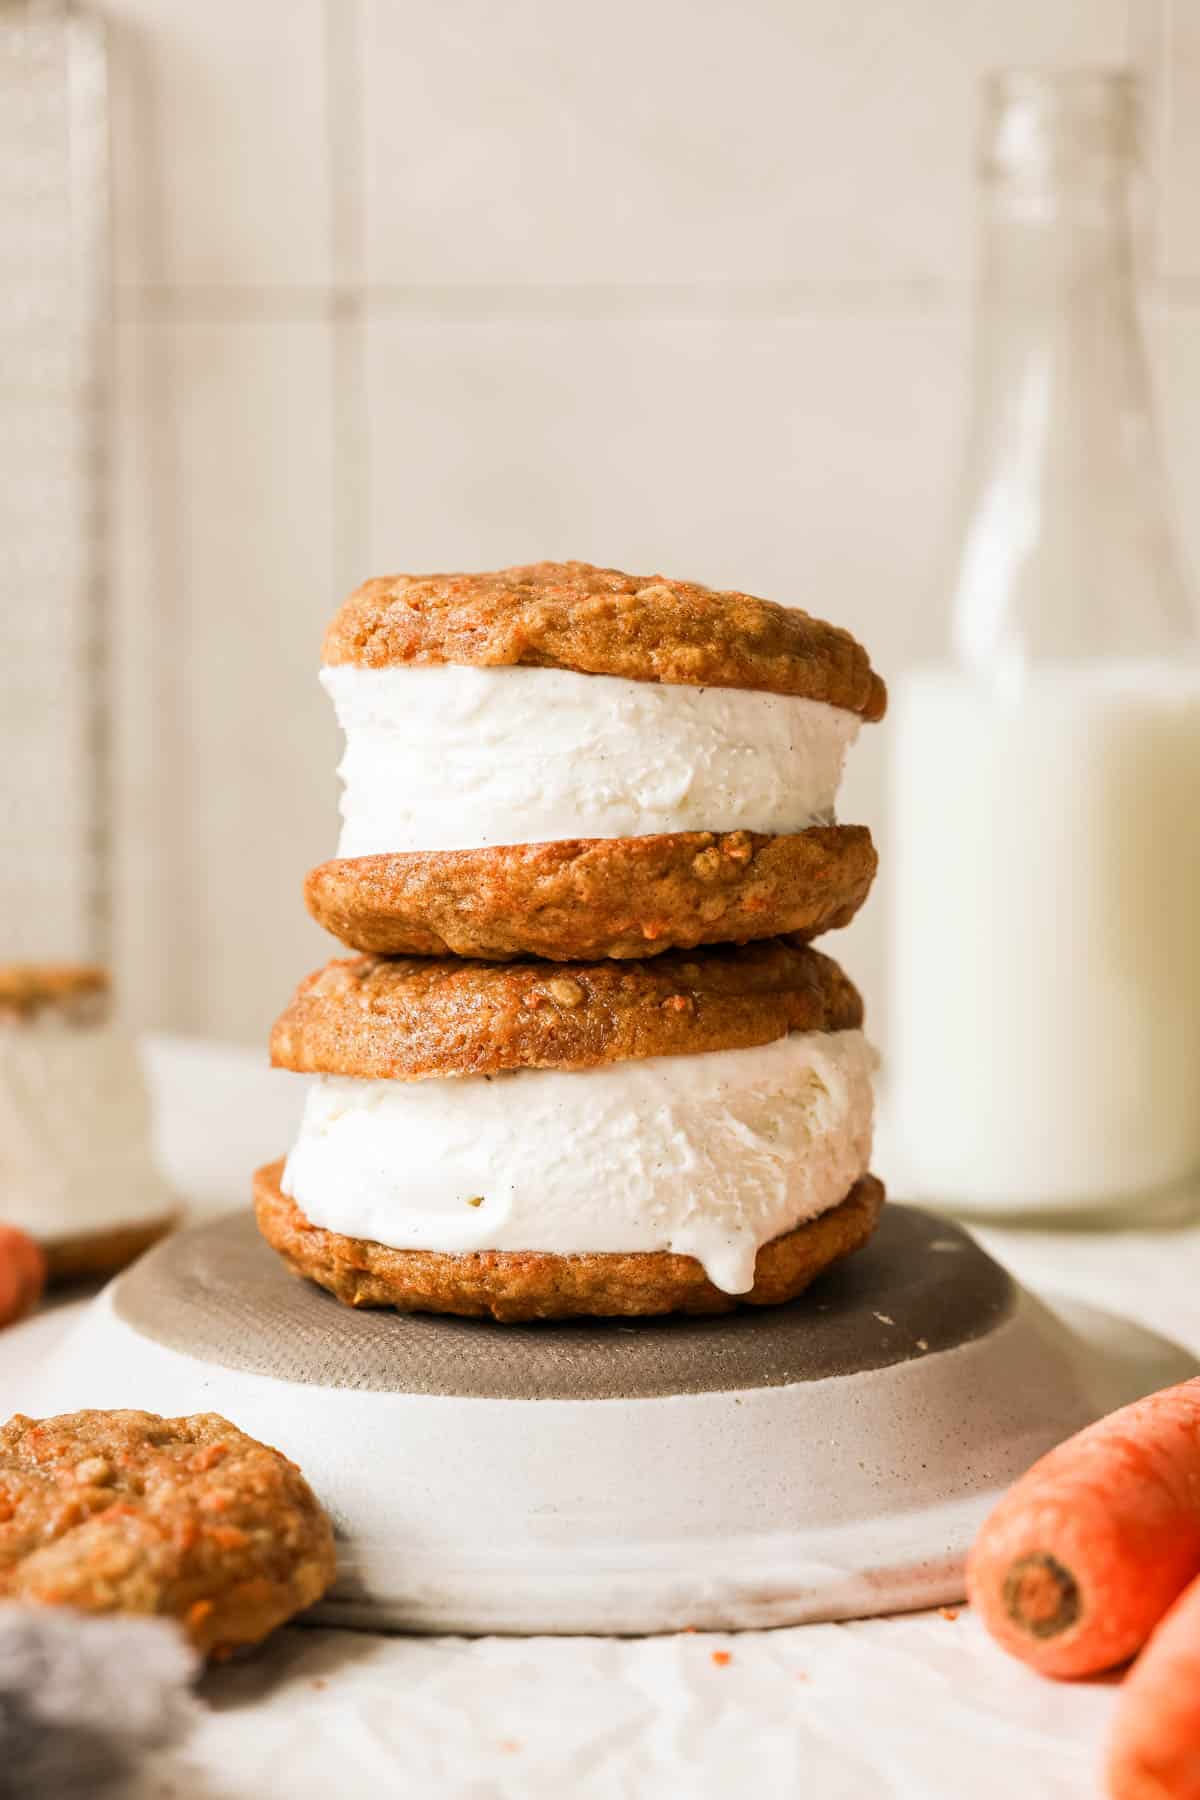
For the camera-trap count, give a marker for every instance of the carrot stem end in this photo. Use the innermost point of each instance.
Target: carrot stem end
(1041, 1597)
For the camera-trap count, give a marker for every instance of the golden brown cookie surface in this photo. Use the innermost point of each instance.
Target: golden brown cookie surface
(604, 622)
(596, 897)
(512, 1285)
(410, 1018)
(185, 1518)
(79, 992)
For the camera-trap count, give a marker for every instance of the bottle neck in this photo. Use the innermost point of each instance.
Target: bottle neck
(1042, 241)
(1066, 551)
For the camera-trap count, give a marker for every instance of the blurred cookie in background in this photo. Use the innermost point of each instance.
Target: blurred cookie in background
(77, 1168)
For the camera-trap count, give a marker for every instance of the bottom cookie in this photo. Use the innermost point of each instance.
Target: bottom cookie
(96, 1254)
(516, 1285)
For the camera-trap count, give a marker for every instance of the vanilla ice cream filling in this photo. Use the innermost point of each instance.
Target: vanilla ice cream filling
(75, 1149)
(456, 758)
(710, 1156)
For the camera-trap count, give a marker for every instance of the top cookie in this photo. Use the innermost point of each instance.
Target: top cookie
(602, 622)
(407, 1019)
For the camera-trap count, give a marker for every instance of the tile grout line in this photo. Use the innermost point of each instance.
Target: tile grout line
(1163, 40)
(152, 612)
(450, 304)
(342, 304)
(1147, 37)
(350, 304)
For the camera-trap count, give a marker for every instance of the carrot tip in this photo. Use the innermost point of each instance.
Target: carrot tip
(1041, 1596)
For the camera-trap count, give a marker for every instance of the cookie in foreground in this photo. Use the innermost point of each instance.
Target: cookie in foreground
(596, 897)
(190, 1519)
(516, 1286)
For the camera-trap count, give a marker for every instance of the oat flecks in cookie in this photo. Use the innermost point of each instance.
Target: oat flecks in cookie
(415, 1017)
(604, 622)
(184, 1518)
(583, 898)
(514, 1285)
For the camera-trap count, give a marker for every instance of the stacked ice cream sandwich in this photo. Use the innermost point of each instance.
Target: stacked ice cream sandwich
(586, 1061)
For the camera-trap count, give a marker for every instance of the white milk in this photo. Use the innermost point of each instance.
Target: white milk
(1046, 936)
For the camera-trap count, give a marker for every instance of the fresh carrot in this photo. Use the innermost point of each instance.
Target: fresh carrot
(1155, 1750)
(1081, 1559)
(22, 1274)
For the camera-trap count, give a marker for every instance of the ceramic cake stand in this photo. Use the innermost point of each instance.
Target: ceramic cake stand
(815, 1461)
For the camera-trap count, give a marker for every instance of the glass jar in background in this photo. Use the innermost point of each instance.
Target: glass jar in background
(1045, 932)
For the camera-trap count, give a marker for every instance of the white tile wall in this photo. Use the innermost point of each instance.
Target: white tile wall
(657, 284)
(235, 590)
(1168, 42)
(222, 143)
(141, 507)
(1173, 333)
(738, 141)
(786, 455)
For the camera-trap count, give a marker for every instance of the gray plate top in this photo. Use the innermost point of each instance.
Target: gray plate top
(217, 1292)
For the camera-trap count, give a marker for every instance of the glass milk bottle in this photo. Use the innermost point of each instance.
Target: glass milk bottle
(1046, 781)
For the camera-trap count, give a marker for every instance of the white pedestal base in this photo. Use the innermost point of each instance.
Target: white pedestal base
(772, 1502)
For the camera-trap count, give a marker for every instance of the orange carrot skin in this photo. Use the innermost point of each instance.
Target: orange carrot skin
(1082, 1558)
(1155, 1750)
(22, 1274)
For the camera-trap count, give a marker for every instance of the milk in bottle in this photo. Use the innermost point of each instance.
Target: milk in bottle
(1045, 945)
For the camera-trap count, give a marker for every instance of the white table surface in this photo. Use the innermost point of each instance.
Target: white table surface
(922, 1707)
